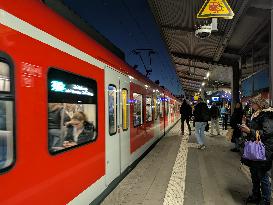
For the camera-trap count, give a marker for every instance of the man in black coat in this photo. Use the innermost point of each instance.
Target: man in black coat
(186, 113)
(201, 116)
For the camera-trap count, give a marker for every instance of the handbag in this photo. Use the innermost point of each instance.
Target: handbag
(229, 134)
(254, 151)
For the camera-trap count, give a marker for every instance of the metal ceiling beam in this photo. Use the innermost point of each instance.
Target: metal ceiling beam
(191, 84)
(191, 79)
(186, 29)
(187, 74)
(187, 65)
(178, 28)
(222, 62)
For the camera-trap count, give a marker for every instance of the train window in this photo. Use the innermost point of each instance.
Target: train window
(6, 134)
(112, 109)
(4, 77)
(161, 108)
(125, 110)
(149, 114)
(137, 115)
(7, 150)
(72, 110)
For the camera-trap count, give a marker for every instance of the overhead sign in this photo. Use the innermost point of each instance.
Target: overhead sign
(215, 9)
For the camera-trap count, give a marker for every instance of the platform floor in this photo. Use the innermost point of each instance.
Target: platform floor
(175, 172)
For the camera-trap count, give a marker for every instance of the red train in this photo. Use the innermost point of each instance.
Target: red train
(73, 116)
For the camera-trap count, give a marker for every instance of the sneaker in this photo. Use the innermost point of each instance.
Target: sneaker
(202, 146)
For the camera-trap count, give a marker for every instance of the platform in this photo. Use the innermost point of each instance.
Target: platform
(176, 172)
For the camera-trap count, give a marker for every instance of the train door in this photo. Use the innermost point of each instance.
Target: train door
(156, 116)
(117, 123)
(124, 125)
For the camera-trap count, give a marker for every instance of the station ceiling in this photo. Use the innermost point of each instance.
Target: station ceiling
(194, 57)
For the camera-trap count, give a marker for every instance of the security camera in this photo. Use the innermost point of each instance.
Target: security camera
(203, 31)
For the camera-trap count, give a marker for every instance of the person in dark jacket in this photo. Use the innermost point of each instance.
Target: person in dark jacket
(201, 117)
(57, 117)
(79, 130)
(186, 113)
(235, 121)
(214, 114)
(262, 121)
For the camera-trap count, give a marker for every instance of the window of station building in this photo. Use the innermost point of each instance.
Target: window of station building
(137, 112)
(112, 109)
(125, 110)
(72, 110)
(149, 110)
(7, 151)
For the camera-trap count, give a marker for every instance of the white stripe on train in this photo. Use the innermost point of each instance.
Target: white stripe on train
(23, 27)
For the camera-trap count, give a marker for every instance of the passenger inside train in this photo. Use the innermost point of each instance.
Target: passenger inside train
(79, 130)
(57, 118)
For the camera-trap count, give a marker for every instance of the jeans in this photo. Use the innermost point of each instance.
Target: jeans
(199, 131)
(215, 124)
(260, 182)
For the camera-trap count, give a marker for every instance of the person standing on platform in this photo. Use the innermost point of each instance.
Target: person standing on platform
(235, 120)
(214, 114)
(261, 122)
(201, 116)
(224, 115)
(186, 113)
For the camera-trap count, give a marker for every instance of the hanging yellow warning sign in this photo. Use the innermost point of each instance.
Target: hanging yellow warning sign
(215, 9)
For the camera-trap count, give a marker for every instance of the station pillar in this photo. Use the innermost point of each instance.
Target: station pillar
(235, 85)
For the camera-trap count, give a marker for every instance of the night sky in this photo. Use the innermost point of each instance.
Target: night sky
(130, 25)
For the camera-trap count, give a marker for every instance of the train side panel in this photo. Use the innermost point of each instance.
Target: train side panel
(37, 173)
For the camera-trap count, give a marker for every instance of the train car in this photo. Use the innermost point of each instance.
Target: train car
(73, 116)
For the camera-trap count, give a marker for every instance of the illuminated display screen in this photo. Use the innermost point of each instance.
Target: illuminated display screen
(67, 87)
(58, 86)
(215, 99)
